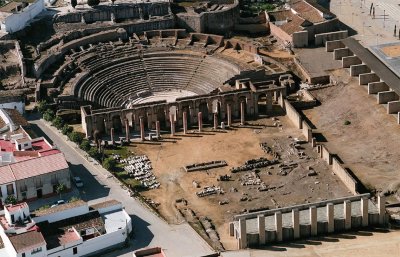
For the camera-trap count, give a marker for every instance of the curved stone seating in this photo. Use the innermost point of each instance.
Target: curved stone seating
(118, 74)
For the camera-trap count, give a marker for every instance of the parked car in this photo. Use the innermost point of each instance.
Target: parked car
(78, 182)
(57, 203)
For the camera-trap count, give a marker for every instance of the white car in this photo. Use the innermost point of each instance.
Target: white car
(57, 203)
(78, 182)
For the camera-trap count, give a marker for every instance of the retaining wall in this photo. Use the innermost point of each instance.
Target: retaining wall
(344, 176)
(321, 39)
(293, 115)
(332, 45)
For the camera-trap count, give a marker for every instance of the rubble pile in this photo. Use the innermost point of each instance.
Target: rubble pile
(139, 167)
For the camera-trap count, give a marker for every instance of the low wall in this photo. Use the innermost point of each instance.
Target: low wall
(344, 176)
(387, 96)
(323, 38)
(307, 131)
(356, 70)
(332, 45)
(293, 115)
(350, 60)
(339, 53)
(376, 87)
(393, 107)
(300, 39)
(326, 155)
(368, 77)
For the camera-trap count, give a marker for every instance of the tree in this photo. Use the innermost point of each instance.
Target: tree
(61, 188)
(74, 3)
(112, 2)
(85, 145)
(75, 137)
(94, 153)
(48, 115)
(93, 2)
(57, 122)
(66, 129)
(42, 106)
(109, 163)
(10, 199)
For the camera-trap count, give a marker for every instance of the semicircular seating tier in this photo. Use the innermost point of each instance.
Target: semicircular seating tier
(119, 76)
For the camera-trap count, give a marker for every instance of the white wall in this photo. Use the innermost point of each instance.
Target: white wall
(3, 189)
(53, 217)
(43, 253)
(20, 106)
(18, 21)
(7, 244)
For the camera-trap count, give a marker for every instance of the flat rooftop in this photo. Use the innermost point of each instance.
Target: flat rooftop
(389, 54)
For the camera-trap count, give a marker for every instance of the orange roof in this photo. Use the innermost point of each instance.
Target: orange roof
(38, 166)
(32, 167)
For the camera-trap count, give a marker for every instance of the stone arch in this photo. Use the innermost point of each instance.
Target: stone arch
(116, 123)
(203, 108)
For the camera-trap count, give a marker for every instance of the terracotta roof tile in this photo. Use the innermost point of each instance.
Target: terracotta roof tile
(27, 241)
(6, 175)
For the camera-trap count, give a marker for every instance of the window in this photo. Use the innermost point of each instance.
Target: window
(12, 218)
(1, 193)
(23, 194)
(10, 189)
(37, 250)
(23, 254)
(75, 250)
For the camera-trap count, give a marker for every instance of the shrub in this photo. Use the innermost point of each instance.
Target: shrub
(48, 115)
(94, 153)
(10, 199)
(109, 164)
(346, 122)
(42, 106)
(66, 129)
(75, 137)
(85, 145)
(93, 2)
(74, 199)
(57, 122)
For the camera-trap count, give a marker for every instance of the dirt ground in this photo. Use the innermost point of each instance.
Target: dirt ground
(235, 147)
(369, 145)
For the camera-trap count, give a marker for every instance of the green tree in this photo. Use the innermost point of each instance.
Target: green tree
(57, 122)
(48, 115)
(94, 153)
(61, 188)
(93, 2)
(109, 164)
(66, 129)
(74, 3)
(42, 106)
(10, 199)
(75, 137)
(85, 145)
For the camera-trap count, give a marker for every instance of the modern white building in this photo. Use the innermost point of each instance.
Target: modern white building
(16, 15)
(72, 229)
(12, 99)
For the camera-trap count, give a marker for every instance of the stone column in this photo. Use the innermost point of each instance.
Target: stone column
(112, 136)
(313, 221)
(330, 217)
(172, 122)
(261, 229)
(185, 123)
(215, 120)
(382, 209)
(242, 110)
(127, 130)
(243, 234)
(278, 226)
(296, 223)
(229, 114)
(200, 121)
(364, 211)
(347, 214)
(141, 122)
(269, 101)
(158, 134)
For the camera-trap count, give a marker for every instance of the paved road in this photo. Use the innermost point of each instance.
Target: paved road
(150, 230)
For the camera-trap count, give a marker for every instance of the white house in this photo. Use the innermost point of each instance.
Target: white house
(16, 15)
(72, 229)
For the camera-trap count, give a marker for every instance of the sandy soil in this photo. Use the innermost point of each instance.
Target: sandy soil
(369, 145)
(391, 51)
(236, 147)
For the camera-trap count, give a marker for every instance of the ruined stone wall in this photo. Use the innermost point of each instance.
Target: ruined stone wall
(216, 22)
(120, 12)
